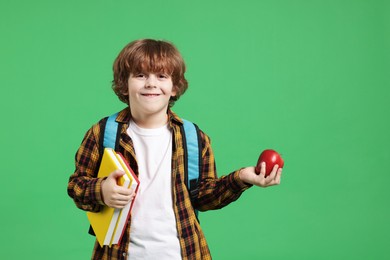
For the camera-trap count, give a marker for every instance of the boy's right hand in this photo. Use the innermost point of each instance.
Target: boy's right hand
(116, 196)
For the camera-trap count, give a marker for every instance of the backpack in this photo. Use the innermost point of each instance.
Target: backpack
(192, 150)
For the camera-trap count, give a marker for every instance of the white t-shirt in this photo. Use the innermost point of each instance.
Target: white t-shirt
(153, 232)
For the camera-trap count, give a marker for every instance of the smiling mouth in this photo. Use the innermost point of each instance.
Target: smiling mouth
(150, 95)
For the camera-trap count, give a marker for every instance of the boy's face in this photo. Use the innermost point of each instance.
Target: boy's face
(149, 93)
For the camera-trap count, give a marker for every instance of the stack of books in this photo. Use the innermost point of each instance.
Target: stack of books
(109, 224)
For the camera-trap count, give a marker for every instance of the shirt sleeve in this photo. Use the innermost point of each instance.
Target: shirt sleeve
(214, 192)
(83, 186)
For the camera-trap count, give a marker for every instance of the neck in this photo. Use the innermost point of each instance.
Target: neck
(150, 121)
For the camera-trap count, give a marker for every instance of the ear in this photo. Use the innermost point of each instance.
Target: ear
(174, 91)
(125, 89)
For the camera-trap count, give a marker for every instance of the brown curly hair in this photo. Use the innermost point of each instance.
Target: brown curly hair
(149, 56)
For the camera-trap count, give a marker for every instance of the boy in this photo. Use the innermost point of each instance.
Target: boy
(149, 78)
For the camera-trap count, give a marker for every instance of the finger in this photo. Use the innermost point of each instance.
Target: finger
(119, 205)
(123, 198)
(262, 170)
(270, 179)
(125, 191)
(116, 174)
(272, 175)
(278, 176)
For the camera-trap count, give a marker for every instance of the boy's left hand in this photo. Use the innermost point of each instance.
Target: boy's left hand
(249, 175)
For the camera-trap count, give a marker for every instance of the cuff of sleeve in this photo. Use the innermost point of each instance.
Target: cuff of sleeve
(98, 191)
(237, 184)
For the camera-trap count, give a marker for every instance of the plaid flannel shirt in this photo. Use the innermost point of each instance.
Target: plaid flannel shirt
(214, 193)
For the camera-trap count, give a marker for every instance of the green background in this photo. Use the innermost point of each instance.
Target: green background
(307, 78)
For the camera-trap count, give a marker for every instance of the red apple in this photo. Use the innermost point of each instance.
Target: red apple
(270, 157)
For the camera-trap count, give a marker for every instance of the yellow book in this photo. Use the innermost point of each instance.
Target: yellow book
(124, 214)
(104, 222)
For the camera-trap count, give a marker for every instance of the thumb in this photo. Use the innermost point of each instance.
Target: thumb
(116, 174)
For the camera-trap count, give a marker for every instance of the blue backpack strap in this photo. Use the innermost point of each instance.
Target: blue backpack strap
(192, 144)
(192, 157)
(110, 132)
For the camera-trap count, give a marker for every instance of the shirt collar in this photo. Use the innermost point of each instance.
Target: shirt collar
(124, 117)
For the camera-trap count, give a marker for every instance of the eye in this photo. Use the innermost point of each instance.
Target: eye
(138, 75)
(163, 76)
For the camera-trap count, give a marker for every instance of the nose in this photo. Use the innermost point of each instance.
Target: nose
(151, 81)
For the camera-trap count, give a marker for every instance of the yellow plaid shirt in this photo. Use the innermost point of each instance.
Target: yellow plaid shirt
(214, 193)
